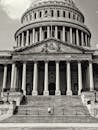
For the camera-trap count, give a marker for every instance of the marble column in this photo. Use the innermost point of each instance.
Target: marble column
(48, 32)
(57, 79)
(33, 35)
(19, 43)
(79, 78)
(70, 35)
(46, 92)
(22, 42)
(35, 79)
(13, 77)
(77, 37)
(91, 76)
(82, 38)
(85, 39)
(63, 33)
(27, 38)
(40, 34)
(56, 32)
(4, 77)
(24, 78)
(69, 91)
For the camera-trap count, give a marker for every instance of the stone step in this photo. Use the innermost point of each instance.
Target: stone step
(50, 119)
(61, 105)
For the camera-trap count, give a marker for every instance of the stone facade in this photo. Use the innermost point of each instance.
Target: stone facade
(53, 53)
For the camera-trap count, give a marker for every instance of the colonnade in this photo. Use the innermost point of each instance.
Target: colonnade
(32, 36)
(46, 70)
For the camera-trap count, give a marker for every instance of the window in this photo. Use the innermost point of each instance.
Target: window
(46, 13)
(64, 14)
(40, 14)
(52, 13)
(35, 16)
(58, 13)
(69, 15)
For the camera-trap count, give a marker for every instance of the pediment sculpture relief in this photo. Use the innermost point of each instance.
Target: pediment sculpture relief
(51, 47)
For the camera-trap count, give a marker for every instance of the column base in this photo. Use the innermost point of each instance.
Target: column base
(12, 90)
(79, 93)
(34, 93)
(69, 93)
(58, 92)
(24, 92)
(46, 93)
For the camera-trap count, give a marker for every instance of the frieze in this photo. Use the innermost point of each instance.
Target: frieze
(52, 57)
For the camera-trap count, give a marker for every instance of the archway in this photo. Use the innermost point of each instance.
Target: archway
(28, 89)
(52, 89)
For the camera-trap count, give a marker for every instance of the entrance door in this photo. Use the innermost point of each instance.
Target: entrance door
(28, 89)
(52, 89)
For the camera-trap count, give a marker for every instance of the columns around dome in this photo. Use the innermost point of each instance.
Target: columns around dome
(73, 36)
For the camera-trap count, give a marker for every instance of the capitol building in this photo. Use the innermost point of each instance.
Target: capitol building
(53, 54)
(51, 75)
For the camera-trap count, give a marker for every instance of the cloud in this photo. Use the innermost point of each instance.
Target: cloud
(15, 8)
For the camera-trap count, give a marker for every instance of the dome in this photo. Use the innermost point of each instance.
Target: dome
(60, 2)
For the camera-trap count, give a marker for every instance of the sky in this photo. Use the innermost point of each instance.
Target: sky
(11, 11)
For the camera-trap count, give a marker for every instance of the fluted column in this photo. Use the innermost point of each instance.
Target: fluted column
(85, 39)
(69, 91)
(24, 78)
(46, 92)
(77, 37)
(48, 32)
(91, 76)
(4, 77)
(22, 42)
(40, 34)
(82, 38)
(64, 33)
(57, 78)
(79, 78)
(12, 77)
(33, 35)
(71, 35)
(56, 32)
(19, 43)
(27, 38)
(35, 79)
(15, 78)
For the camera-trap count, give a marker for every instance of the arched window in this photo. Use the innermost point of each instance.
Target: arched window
(69, 15)
(64, 14)
(40, 14)
(58, 13)
(34, 15)
(52, 13)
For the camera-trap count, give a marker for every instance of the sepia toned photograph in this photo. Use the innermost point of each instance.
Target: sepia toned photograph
(48, 64)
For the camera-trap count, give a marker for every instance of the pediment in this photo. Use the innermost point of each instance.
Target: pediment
(50, 46)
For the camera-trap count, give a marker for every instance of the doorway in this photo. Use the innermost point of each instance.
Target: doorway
(52, 89)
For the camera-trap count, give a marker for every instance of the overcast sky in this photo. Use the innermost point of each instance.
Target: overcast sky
(11, 11)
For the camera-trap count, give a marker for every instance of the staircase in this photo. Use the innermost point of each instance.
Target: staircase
(61, 105)
(65, 109)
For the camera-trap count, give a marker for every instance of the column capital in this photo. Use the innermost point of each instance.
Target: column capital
(46, 61)
(57, 61)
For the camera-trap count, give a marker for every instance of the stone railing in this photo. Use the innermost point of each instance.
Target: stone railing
(90, 101)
